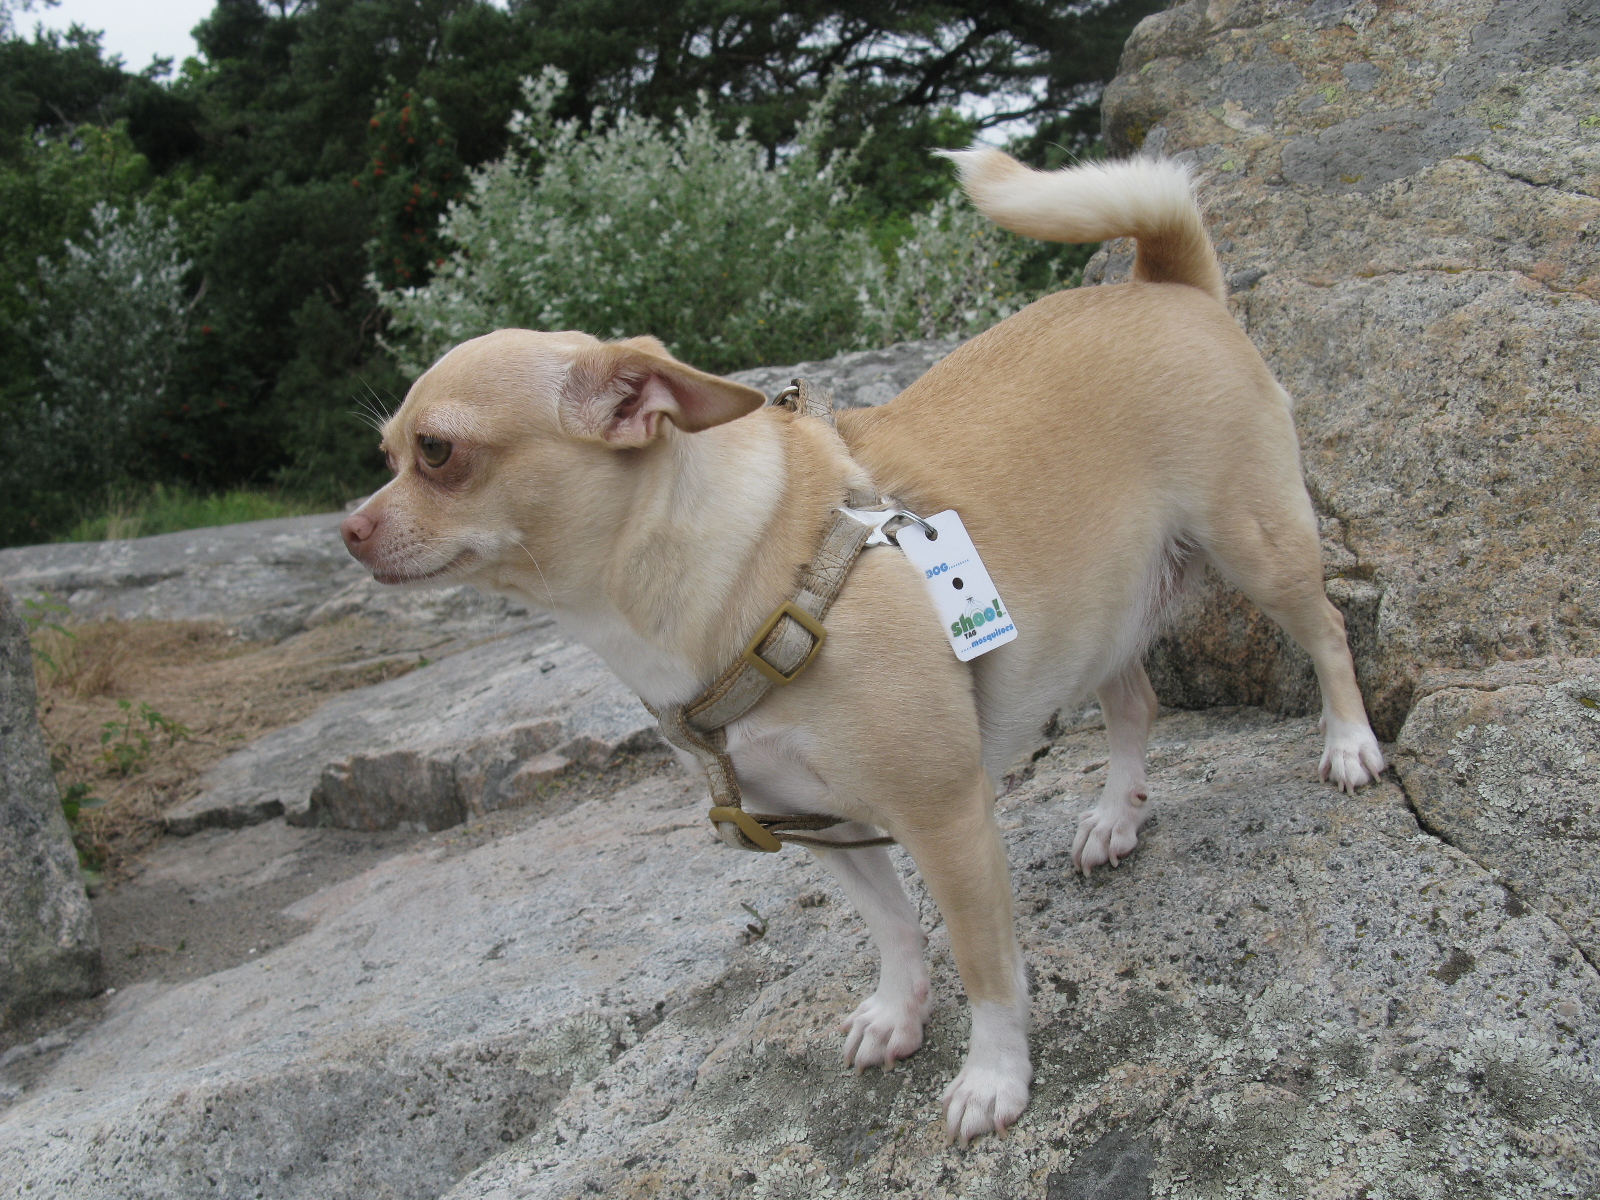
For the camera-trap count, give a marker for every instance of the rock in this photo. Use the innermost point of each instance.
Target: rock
(49, 946)
(1404, 197)
(1285, 992)
(859, 379)
(266, 579)
(262, 577)
(450, 612)
(23, 1064)
(437, 1008)
(1505, 765)
(433, 747)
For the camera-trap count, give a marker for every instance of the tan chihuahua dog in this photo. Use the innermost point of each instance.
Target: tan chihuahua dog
(1096, 445)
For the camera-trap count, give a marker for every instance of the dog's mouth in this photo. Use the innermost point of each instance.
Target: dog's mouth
(393, 577)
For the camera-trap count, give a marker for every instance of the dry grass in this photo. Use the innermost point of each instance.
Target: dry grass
(224, 691)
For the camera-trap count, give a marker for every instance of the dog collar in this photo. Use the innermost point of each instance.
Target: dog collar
(783, 647)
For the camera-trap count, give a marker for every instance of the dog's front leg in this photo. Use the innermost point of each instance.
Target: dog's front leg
(963, 860)
(887, 1026)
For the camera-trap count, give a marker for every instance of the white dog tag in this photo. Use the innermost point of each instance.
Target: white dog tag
(968, 603)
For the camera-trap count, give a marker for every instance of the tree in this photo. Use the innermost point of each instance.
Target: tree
(109, 322)
(267, 151)
(906, 62)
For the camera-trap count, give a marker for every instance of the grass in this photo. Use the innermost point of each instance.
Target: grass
(167, 508)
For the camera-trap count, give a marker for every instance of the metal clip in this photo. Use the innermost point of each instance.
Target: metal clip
(906, 518)
(880, 520)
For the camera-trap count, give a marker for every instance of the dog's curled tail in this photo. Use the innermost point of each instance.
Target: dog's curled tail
(1147, 199)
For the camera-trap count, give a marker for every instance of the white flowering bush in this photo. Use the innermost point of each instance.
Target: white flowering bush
(956, 275)
(733, 257)
(108, 324)
(728, 257)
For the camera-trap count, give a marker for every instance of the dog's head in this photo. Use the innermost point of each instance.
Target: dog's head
(518, 454)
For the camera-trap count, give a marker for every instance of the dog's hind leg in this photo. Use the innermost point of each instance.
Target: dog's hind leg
(1109, 831)
(887, 1026)
(1268, 548)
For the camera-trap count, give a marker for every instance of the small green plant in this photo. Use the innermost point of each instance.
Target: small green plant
(126, 741)
(75, 798)
(41, 614)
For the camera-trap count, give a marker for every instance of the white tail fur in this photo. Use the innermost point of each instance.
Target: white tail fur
(1147, 199)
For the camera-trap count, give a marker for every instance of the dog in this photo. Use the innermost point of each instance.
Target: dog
(1097, 445)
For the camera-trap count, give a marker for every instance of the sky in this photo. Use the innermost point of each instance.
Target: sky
(136, 29)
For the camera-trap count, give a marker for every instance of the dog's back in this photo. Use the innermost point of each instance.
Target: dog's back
(1099, 442)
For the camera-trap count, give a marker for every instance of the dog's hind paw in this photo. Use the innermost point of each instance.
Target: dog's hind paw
(1351, 757)
(884, 1029)
(1107, 833)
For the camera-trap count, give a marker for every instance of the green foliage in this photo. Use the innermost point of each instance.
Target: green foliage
(167, 508)
(42, 614)
(730, 259)
(610, 231)
(75, 798)
(955, 275)
(253, 149)
(767, 61)
(413, 174)
(55, 264)
(109, 320)
(126, 742)
(54, 80)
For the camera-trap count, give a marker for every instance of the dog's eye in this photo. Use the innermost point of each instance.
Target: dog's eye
(434, 452)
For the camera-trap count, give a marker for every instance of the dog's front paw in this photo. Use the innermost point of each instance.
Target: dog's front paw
(1107, 833)
(985, 1098)
(884, 1029)
(1351, 757)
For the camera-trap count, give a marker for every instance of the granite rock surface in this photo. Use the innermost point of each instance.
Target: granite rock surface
(861, 378)
(1405, 197)
(1286, 992)
(261, 577)
(434, 1011)
(433, 747)
(264, 579)
(1505, 765)
(49, 946)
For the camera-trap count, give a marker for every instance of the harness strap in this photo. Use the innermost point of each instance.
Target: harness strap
(786, 642)
(782, 648)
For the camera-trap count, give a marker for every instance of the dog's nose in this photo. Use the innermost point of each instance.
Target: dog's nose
(356, 529)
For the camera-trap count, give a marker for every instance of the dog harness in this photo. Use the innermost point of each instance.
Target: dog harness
(782, 648)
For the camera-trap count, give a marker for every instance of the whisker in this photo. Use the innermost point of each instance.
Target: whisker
(548, 594)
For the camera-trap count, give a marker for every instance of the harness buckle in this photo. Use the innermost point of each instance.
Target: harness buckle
(749, 826)
(800, 617)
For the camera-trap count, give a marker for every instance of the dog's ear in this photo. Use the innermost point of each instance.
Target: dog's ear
(619, 393)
